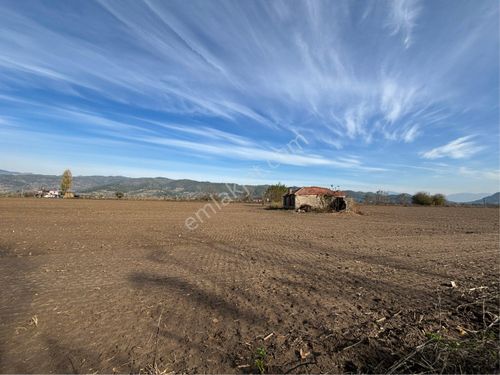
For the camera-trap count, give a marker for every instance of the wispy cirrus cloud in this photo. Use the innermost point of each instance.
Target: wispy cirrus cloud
(136, 132)
(402, 18)
(459, 148)
(355, 78)
(411, 133)
(274, 77)
(493, 175)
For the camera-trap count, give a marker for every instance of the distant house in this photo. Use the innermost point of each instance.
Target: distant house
(52, 194)
(313, 197)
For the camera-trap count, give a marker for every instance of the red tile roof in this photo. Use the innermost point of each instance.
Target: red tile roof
(314, 190)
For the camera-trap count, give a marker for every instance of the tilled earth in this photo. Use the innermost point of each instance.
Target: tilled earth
(123, 286)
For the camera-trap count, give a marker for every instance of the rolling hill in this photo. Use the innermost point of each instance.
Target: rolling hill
(109, 185)
(493, 199)
(465, 197)
(160, 187)
(147, 187)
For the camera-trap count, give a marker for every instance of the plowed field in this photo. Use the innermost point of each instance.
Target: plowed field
(118, 286)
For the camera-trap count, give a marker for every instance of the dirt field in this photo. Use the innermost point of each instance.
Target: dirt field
(116, 286)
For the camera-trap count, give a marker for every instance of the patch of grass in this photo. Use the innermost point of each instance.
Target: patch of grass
(434, 336)
(260, 360)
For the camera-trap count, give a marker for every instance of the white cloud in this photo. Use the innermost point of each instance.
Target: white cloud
(245, 153)
(354, 120)
(460, 148)
(410, 134)
(481, 174)
(233, 80)
(233, 63)
(396, 100)
(402, 19)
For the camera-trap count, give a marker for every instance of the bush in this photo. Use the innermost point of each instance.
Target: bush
(422, 198)
(274, 193)
(425, 199)
(119, 194)
(438, 200)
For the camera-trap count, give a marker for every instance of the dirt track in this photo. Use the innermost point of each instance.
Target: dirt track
(352, 292)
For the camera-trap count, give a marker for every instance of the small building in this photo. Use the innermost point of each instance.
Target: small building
(315, 198)
(52, 194)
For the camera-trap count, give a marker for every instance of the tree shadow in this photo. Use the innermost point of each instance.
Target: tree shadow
(15, 301)
(290, 295)
(194, 294)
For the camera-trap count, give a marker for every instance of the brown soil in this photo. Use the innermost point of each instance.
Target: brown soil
(117, 286)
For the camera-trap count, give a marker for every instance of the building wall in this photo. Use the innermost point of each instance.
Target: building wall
(319, 201)
(312, 200)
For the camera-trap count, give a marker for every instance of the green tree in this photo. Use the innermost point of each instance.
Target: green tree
(422, 198)
(119, 194)
(66, 181)
(438, 200)
(274, 193)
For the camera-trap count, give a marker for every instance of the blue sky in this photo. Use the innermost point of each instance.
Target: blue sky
(368, 95)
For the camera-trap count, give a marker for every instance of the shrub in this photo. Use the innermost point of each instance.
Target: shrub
(274, 193)
(438, 200)
(425, 199)
(422, 198)
(119, 194)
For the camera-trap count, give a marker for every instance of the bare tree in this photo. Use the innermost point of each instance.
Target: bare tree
(381, 197)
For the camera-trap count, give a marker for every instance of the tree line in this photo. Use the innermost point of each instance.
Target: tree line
(274, 194)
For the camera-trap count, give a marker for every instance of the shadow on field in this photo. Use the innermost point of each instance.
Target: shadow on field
(347, 310)
(325, 275)
(15, 304)
(199, 296)
(295, 297)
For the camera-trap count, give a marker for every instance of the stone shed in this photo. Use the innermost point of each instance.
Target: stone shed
(315, 198)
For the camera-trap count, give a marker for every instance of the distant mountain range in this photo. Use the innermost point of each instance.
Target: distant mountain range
(161, 187)
(491, 199)
(157, 187)
(465, 197)
(8, 172)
